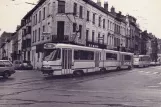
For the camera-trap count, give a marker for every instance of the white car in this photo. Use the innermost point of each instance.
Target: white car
(6, 68)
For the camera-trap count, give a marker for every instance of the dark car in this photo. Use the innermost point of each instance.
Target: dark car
(17, 64)
(26, 65)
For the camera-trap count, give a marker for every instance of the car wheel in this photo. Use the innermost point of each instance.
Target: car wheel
(6, 74)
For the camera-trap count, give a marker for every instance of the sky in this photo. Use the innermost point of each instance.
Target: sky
(147, 12)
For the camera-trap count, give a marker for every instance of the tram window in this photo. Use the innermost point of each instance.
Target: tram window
(127, 57)
(76, 55)
(111, 56)
(83, 55)
(52, 54)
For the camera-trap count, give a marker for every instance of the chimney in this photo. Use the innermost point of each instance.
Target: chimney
(18, 26)
(98, 2)
(112, 9)
(106, 6)
(120, 13)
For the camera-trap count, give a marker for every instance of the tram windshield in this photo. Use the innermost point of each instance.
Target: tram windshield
(52, 54)
(136, 59)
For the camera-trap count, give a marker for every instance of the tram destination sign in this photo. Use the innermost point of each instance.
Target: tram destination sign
(49, 46)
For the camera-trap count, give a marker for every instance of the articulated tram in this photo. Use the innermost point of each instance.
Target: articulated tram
(63, 59)
(142, 60)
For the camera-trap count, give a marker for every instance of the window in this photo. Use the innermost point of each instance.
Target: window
(61, 7)
(43, 31)
(127, 57)
(44, 12)
(87, 34)
(39, 16)
(92, 36)
(48, 10)
(74, 27)
(115, 42)
(104, 23)
(94, 15)
(111, 56)
(75, 9)
(80, 12)
(28, 29)
(98, 37)
(35, 35)
(36, 19)
(38, 56)
(52, 54)
(107, 39)
(87, 15)
(103, 39)
(83, 55)
(80, 31)
(39, 35)
(2, 64)
(99, 23)
(108, 24)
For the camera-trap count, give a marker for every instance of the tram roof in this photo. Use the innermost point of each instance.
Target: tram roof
(141, 55)
(84, 47)
(76, 46)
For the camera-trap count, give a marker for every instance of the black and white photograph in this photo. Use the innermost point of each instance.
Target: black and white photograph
(80, 53)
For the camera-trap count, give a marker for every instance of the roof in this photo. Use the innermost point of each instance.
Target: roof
(96, 6)
(87, 1)
(6, 34)
(33, 9)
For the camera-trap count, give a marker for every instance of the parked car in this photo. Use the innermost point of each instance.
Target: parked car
(17, 64)
(155, 63)
(6, 68)
(26, 65)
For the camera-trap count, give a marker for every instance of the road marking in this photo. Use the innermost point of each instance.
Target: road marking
(19, 71)
(153, 86)
(141, 71)
(155, 72)
(148, 72)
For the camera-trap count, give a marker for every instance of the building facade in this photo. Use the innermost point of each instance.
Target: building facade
(80, 22)
(15, 53)
(159, 46)
(5, 45)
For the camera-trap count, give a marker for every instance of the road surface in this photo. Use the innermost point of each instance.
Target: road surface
(139, 87)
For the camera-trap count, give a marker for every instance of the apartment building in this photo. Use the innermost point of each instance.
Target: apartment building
(25, 37)
(81, 22)
(5, 45)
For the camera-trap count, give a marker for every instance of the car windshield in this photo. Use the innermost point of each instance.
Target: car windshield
(51, 54)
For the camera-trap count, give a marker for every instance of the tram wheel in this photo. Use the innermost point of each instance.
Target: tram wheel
(129, 67)
(118, 69)
(78, 73)
(103, 70)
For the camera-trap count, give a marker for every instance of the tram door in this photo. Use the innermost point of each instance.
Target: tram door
(97, 60)
(121, 60)
(66, 61)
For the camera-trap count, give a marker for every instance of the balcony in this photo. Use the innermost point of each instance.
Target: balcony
(63, 39)
(26, 44)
